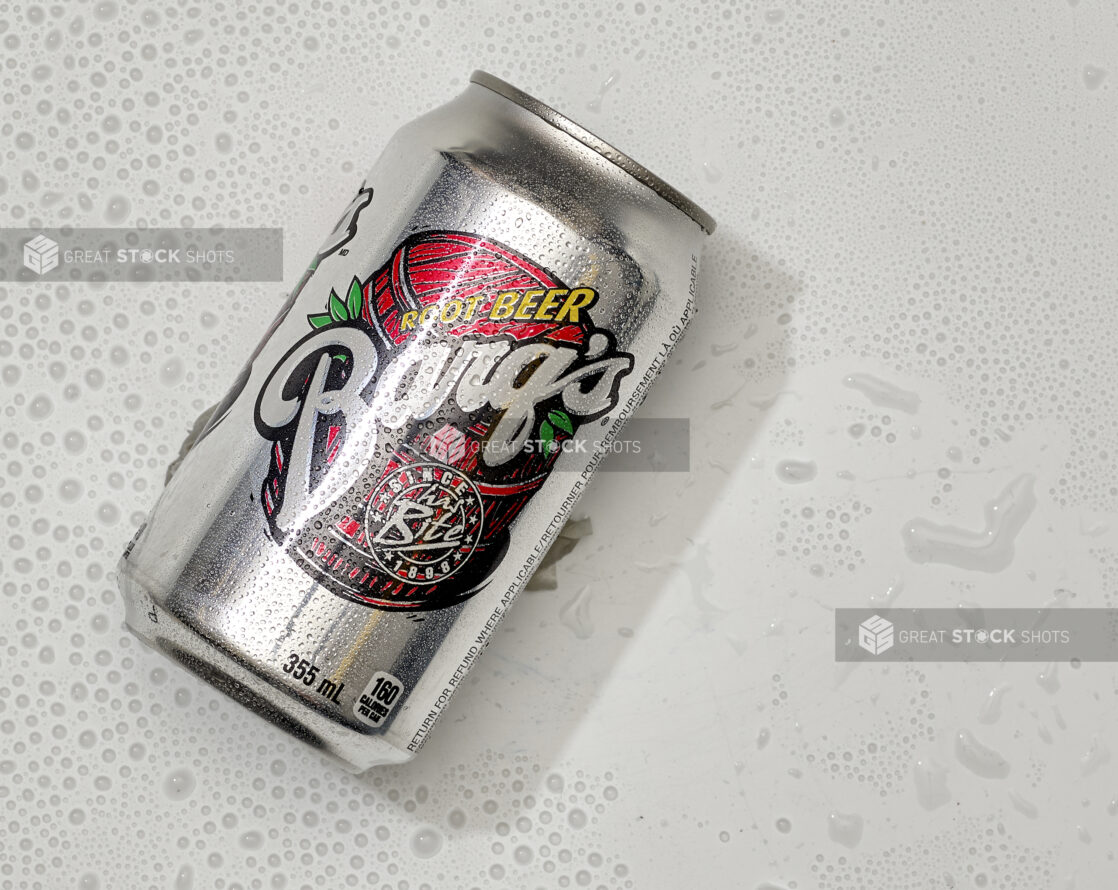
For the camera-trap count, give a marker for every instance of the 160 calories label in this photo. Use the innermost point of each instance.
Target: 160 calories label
(379, 698)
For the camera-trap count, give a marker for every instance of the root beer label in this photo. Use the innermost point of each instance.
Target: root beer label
(400, 424)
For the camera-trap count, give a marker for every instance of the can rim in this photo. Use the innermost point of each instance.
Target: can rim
(619, 159)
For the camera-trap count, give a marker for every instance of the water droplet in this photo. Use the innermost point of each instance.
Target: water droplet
(1093, 77)
(845, 828)
(1024, 807)
(883, 393)
(179, 784)
(575, 614)
(991, 709)
(426, 842)
(522, 855)
(931, 784)
(171, 371)
(989, 550)
(796, 471)
(117, 209)
(980, 760)
(251, 840)
(73, 441)
(40, 407)
(456, 818)
(1049, 678)
(595, 104)
(1097, 755)
(108, 513)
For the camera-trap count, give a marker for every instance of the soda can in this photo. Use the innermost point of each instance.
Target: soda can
(355, 517)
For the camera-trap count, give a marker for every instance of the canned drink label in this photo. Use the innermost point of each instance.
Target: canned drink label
(379, 698)
(423, 409)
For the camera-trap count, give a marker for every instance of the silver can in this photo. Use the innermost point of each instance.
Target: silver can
(362, 508)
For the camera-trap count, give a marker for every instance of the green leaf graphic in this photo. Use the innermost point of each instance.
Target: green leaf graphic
(337, 308)
(355, 299)
(547, 434)
(561, 420)
(319, 321)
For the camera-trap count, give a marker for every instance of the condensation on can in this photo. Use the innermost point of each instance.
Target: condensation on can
(350, 523)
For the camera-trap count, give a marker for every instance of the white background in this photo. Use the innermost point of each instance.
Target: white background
(921, 191)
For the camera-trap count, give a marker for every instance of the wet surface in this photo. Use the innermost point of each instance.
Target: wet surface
(900, 387)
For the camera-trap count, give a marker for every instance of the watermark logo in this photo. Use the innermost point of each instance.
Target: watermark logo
(40, 254)
(47, 254)
(875, 635)
(973, 633)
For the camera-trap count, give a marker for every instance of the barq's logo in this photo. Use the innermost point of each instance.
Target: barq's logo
(428, 336)
(476, 374)
(399, 423)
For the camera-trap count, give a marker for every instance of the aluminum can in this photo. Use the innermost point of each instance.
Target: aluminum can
(358, 513)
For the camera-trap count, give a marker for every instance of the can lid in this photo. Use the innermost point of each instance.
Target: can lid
(638, 171)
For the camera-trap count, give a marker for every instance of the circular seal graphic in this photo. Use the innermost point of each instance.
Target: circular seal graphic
(423, 522)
